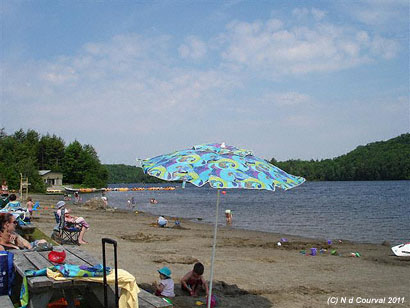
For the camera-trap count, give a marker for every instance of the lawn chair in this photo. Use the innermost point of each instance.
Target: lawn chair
(65, 232)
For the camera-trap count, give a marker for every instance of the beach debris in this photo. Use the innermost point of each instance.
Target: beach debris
(329, 242)
(303, 252)
(199, 303)
(224, 192)
(279, 244)
(322, 251)
(333, 252)
(355, 255)
(283, 240)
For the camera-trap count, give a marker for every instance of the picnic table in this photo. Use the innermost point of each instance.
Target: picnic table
(42, 289)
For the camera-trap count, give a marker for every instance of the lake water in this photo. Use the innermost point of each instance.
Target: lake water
(359, 211)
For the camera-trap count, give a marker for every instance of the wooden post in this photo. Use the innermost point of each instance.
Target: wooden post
(24, 184)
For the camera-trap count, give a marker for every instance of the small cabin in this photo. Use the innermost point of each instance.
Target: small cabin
(51, 178)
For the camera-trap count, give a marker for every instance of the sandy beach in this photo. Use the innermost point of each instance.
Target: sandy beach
(251, 270)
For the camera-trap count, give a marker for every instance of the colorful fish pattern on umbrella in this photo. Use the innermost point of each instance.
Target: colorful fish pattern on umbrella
(221, 166)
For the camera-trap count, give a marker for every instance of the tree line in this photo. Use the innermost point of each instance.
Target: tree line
(28, 152)
(383, 160)
(120, 173)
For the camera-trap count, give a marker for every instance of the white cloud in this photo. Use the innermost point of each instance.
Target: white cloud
(384, 47)
(379, 12)
(193, 48)
(286, 99)
(318, 14)
(315, 47)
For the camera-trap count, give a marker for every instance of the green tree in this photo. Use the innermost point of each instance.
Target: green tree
(51, 153)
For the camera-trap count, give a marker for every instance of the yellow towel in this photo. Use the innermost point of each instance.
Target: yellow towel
(126, 281)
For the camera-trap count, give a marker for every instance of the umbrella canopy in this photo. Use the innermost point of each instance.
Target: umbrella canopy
(221, 166)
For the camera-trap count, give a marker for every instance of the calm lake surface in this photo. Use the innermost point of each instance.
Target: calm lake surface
(371, 212)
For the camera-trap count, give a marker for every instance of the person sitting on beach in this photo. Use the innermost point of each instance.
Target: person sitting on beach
(193, 281)
(13, 203)
(74, 220)
(161, 221)
(9, 239)
(165, 287)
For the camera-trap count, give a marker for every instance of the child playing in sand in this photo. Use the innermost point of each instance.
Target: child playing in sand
(193, 280)
(165, 287)
(162, 221)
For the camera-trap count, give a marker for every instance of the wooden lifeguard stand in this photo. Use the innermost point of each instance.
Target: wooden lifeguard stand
(24, 184)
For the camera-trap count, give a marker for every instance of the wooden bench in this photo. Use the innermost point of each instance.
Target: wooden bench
(27, 229)
(148, 300)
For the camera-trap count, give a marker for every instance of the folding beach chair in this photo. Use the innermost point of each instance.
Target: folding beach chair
(66, 232)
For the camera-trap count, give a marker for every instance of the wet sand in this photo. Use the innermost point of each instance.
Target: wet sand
(251, 270)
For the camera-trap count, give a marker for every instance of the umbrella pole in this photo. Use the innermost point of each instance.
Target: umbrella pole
(213, 250)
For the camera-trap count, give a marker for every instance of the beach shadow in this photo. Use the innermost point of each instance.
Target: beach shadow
(228, 296)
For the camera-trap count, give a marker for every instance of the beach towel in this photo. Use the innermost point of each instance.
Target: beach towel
(126, 281)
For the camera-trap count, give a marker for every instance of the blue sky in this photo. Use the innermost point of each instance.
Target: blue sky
(286, 79)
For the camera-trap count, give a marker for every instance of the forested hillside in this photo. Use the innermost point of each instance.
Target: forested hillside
(28, 152)
(383, 160)
(120, 173)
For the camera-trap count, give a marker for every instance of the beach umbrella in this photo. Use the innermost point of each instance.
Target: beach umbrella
(222, 167)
